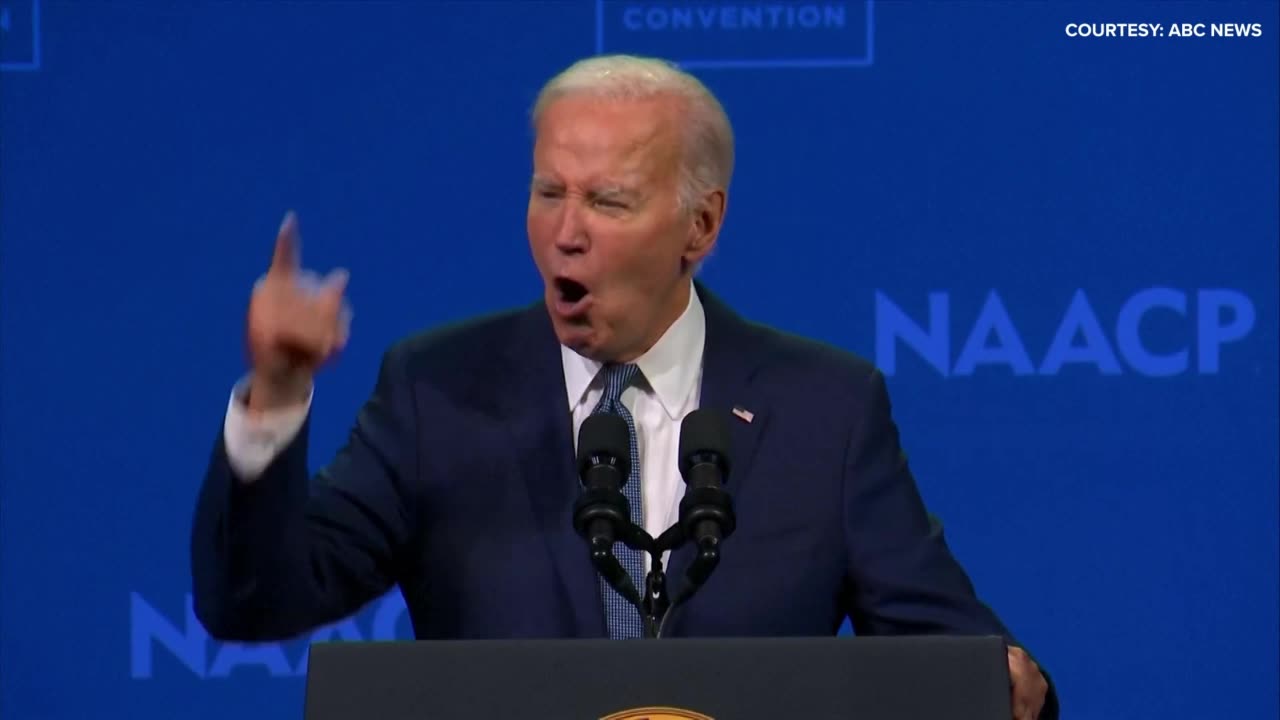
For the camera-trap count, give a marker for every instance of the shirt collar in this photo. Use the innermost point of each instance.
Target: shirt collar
(671, 366)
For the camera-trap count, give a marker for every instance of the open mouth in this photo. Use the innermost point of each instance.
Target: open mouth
(571, 291)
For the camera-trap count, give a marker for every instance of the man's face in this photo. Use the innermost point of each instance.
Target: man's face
(605, 226)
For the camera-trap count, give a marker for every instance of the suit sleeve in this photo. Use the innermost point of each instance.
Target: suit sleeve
(287, 553)
(903, 578)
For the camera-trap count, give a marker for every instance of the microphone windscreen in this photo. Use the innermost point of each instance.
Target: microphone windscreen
(704, 431)
(604, 434)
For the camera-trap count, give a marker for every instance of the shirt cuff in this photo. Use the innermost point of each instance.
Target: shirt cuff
(253, 440)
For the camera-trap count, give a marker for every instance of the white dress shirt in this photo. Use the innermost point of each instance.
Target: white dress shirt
(659, 401)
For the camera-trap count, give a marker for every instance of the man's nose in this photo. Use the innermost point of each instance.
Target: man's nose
(571, 233)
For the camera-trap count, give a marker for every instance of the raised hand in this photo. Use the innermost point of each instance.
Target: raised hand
(296, 323)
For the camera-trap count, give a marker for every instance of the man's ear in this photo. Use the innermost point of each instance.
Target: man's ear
(704, 226)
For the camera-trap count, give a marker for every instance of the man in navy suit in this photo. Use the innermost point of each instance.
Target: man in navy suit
(458, 480)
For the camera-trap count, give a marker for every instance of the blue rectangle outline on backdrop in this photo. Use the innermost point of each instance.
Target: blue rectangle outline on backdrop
(34, 64)
(865, 61)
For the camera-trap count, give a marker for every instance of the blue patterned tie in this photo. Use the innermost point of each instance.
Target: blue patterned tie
(624, 620)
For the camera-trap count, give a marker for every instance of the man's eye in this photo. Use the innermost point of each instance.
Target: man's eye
(611, 204)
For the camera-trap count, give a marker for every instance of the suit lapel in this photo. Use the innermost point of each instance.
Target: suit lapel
(732, 356)
(538, 410)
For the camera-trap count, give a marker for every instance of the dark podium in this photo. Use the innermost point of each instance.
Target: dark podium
(873, 678)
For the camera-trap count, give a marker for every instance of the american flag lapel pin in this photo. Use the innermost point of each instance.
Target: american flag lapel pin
(743, 414)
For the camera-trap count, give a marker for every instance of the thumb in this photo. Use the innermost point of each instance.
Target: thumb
(334, 285)
(329, 295)
(335, 306)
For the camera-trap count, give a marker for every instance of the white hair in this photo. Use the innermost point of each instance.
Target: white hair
(707, 157)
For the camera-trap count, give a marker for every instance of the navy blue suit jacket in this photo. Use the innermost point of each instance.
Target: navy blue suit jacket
(458, 482)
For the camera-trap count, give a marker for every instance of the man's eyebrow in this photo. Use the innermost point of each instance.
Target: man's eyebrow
(605, 189)
(613, 189)
(543, 183)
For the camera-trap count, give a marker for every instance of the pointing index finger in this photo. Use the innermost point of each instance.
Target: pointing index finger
(287, 256)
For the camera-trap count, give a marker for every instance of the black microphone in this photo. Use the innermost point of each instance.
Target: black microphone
(706, 511)
(602, 514)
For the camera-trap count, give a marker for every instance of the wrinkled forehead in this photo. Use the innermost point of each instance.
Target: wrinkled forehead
(581, 139)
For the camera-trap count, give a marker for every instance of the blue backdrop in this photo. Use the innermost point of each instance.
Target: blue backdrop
(1062, 250)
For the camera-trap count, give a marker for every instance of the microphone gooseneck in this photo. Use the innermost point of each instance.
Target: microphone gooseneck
(602, 515)
(706, 511)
